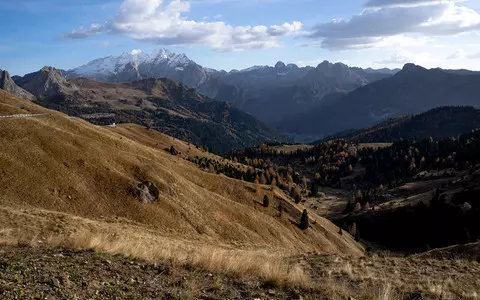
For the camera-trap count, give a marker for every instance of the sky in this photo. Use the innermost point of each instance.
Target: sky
(237, 34)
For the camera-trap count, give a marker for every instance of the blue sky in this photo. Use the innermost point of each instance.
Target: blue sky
(227, 34)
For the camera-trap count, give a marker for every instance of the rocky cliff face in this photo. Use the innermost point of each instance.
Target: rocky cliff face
(7, 84)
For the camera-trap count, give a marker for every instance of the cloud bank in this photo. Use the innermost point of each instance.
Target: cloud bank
(162, 22)
(381, 19)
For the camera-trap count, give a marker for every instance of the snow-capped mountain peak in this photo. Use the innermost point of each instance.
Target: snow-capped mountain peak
(108, 67)
(161, 53)
(137, 64)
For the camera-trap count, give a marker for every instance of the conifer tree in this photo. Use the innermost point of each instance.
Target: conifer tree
(304, 220)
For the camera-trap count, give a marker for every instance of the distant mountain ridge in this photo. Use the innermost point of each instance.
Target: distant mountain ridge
(162, 104)
(411, 91)
(441, 122)
(268, 92)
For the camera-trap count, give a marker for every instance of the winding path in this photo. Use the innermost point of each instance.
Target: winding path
(23, 116)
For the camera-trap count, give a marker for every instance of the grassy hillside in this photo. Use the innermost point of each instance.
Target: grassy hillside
(68, 178)
(65, 183)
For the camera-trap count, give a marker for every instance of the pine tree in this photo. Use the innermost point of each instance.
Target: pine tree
(266, 201)
(304, 220)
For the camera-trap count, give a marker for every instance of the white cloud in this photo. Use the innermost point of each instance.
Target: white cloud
(383, 19)
(401, 3)
(163, 23)
(396, 59)
(82, 33)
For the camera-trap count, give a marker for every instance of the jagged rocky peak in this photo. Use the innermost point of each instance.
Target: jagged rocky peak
(54, 75)
(323, 65)
(161, 52)
(49, 69)
(7, 84)
(292, 66)
(327, 66)
(280, 65)
(412, 67)
(48, 82)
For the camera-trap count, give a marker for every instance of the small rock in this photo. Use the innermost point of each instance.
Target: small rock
(55, 282)
(65, 281)
(210, 275)
(271, 292)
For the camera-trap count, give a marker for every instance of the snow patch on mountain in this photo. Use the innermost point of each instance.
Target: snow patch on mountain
(254, 68)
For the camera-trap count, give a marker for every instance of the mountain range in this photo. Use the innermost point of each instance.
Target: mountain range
(269, 93)
(413, 90)
(311, 102)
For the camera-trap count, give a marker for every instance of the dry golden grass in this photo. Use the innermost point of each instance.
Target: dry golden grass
(392, 278)
(332, 276)
(69, 165)
(261, 264)
(66, 182)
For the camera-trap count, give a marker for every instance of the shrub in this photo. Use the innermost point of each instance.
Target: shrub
(266, 201)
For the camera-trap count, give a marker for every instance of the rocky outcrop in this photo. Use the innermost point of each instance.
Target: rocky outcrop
(146, 192)
(46, 83)
(7, 84)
